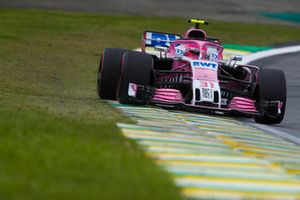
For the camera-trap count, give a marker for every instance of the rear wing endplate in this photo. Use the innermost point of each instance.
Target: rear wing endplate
(153, 39)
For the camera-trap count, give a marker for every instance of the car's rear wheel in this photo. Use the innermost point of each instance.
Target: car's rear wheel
(109, 72)
(271, 88)
(137, 68)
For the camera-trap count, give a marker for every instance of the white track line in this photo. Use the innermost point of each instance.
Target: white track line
(281, 134)
(268, 53)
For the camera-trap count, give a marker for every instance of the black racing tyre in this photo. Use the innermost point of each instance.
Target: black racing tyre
(137, 68)
(271, 87)
(109, 72)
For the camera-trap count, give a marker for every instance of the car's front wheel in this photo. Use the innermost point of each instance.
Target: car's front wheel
(137, 68)
(271, 91)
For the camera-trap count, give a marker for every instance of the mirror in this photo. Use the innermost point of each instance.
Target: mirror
(161, 49)
(236, 58)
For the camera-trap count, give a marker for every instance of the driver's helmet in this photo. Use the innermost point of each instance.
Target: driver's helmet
(195, 33)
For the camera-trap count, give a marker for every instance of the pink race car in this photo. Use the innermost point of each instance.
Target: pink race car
(188, 72)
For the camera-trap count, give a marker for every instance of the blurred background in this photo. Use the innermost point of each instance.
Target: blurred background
(270, 11)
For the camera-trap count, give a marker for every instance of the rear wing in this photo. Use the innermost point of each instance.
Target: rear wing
(153, 39)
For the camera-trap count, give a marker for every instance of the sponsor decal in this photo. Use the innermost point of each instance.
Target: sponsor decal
(279, 106)
(209, 65)
(212, 53)
(132, 89)
(207, 84)
(224, 102)
(160, 39)
(213, 57)
(179, 50)
(206, 93)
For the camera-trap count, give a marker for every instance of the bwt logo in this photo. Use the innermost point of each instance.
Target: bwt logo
(205, 64)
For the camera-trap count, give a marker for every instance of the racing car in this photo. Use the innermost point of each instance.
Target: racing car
(188, 72)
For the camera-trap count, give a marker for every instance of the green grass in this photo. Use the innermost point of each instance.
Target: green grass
(48, 157)
(57, 139)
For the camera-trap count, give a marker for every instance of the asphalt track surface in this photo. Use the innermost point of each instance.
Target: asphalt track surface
(290, 64)
(226, 10)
